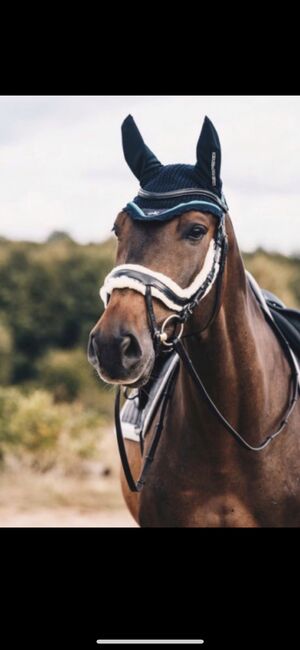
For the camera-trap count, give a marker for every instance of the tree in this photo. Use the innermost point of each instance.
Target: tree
(59, 235)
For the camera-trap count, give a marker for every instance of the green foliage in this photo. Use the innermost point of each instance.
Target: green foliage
(6, 353)
(66, 373)
(34, 423)
(277, 273)
(9, 403)
(42, 434)
(59, 235)
(49, 293)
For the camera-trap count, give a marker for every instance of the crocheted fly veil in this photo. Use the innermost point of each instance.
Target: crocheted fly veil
(167, 191)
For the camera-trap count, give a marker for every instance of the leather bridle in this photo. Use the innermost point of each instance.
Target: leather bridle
(149, 285)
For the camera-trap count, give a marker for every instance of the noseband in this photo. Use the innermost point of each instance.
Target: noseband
(183, 302)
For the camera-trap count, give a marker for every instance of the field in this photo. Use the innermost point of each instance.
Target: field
(30, 498)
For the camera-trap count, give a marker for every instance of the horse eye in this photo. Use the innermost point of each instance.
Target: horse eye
(196, 232)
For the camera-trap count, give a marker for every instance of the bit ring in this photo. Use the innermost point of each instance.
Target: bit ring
(163, 335)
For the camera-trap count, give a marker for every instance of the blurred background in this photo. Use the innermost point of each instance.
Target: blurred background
(63, 180)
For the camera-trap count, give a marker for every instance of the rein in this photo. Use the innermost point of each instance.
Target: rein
(137, 486)
(151, 287)
(177, 345)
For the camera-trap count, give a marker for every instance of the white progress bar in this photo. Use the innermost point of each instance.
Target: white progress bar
(149, 641)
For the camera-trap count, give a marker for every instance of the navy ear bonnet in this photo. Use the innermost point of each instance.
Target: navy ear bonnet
(167, 191)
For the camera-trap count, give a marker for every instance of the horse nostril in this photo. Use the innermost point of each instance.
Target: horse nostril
(115, 354)
(130, 349)
(91, 345)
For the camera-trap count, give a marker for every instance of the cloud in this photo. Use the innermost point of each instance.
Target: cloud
(62, 166)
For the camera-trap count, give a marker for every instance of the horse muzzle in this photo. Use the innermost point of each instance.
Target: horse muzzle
(120, 357)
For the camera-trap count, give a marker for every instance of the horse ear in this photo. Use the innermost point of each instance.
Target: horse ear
(142, 162)
(208, 165)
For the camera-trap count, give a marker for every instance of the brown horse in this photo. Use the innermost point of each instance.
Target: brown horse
(201, 476)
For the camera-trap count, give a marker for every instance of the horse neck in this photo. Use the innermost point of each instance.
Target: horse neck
(238, 358)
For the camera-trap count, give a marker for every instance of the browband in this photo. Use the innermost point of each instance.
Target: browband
(165, 214)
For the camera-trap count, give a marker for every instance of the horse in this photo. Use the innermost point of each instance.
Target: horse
(180, 281)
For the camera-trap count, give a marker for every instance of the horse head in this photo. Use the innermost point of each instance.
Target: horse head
(178, 259)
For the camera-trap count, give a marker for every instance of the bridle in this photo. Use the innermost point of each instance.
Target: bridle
(184, 302)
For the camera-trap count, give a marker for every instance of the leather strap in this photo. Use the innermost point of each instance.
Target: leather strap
(178, 346)
(152, 320)
(137, 486)
(217, 301)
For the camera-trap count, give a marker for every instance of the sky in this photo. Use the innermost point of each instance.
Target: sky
(62, 164)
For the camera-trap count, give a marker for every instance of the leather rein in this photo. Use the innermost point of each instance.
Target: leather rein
(160, 339)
